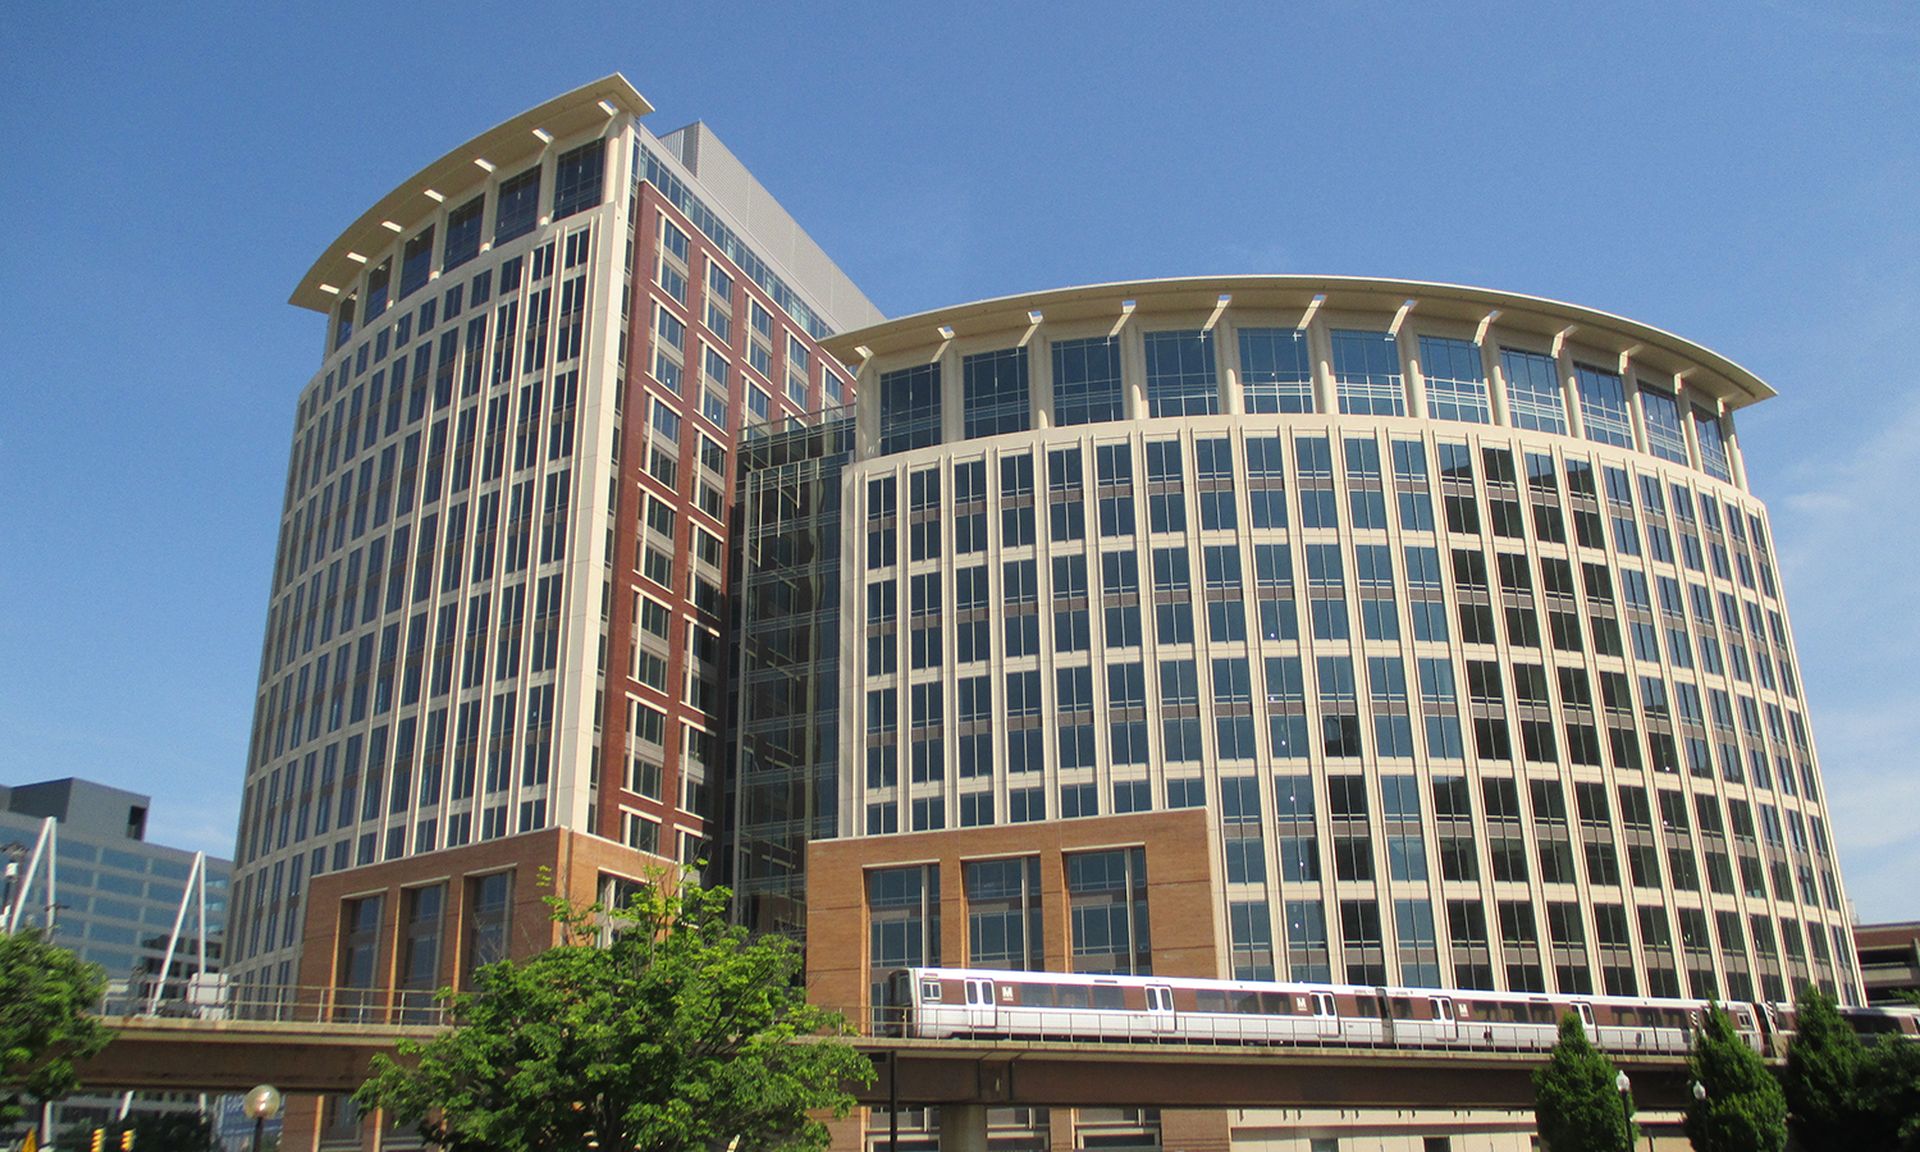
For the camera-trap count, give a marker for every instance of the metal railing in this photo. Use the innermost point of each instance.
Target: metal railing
(295, 1004)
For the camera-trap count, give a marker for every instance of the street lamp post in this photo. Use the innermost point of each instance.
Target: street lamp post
(263, 1104)
(1624, 1086)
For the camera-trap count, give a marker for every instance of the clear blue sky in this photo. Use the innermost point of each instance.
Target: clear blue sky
(1742, 174)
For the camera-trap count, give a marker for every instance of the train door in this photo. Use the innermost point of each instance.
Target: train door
(1160, 1009)
(1774, 1044)
(1586, 1020)
(893, 1013)
(1325, 1016)
(1445, 1026)
(980, 1005)
(1385, 1006)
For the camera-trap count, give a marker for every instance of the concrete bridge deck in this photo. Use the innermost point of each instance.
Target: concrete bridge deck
(167, 1054)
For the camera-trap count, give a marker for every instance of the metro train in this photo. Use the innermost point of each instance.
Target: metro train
(938, 1003)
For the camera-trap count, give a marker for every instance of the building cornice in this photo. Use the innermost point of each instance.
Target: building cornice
(454, 177)
(1547, 321)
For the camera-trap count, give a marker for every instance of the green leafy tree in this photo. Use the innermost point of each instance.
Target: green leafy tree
(1846, 1094)
(658, 1027)
(1743, 1109)
(47, 995)
(1825, 1108)
(1889, 1091)
(1575, 1104)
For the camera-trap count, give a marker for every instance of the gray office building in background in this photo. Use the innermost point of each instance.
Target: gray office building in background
(114, 901)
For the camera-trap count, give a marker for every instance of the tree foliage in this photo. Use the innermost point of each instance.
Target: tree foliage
(1576, 1105)
(679, 1034)
(1847, 1094)
(47, 995)
(1890, 1089)
(1743, 1109)
(1823, 1077)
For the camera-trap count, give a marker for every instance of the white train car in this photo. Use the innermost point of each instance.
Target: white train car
(936, 1003)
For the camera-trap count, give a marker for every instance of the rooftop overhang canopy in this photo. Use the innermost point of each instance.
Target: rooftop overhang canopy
(1656, 354)
(506, 147)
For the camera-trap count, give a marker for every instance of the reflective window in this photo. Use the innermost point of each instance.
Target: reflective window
(1086, 381)
(994, 392)
(903, 918)
(1003, 913)
(1666, 436)
(1533, 391)
(1107, 910)
(343, 322)
(1366, 373)
(489, 921)
(1456, 382)
(577, 179)
(374, 303)
(463, 234)
(360, 944)
(416, 261)
(1276, 373)
(517, 206)
(419, 973)
(1180, 374)
(1603, 406)
(910, 408)
(1713, 445)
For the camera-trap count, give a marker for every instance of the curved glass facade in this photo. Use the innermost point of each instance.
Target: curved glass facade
(1469, 642)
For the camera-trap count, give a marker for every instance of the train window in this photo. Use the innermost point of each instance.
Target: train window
(1402, 1007)
(1247, 1003)
(1365, 1006)
(1207, 1000)
(929, 989)
(1108, 996)
(1072, 995)
(1037, 995)
(1274, 1004)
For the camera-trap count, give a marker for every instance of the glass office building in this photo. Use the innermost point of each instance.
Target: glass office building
(116, 897)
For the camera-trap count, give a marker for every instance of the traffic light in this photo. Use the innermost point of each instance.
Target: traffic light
(126, 1140)
(99, 1138)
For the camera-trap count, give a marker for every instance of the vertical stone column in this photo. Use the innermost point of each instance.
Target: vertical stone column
(963, 1128)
